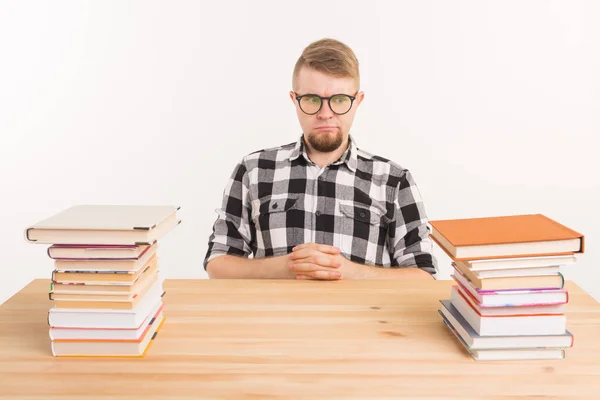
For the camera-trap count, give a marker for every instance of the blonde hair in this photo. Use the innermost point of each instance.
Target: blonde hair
(331, 57)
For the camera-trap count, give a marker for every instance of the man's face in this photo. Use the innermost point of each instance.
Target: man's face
(325, 131)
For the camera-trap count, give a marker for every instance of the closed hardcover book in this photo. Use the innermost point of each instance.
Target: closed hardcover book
(105, 225)
(475, 341)
(506, 298)
(505, 236)
(505, 354)
(94, 318)
(83, 252)
(109, 348)
(80, 265)
(508, 325)
(100, 277)
(552, 280)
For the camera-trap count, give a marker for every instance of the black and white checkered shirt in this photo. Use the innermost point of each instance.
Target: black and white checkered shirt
(367, 206)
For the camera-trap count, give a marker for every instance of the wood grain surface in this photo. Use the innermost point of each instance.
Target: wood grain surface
(282, 339)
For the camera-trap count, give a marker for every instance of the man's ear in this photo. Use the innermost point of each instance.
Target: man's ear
(293, 96)
(360, 96)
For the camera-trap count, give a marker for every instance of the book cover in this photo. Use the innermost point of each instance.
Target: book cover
(505, 236)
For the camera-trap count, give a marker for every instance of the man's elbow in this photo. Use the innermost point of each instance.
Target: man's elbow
(214, 268)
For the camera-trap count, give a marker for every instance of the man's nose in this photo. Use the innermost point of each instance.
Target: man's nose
(325, 112)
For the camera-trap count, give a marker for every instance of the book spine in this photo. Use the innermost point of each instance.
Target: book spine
(562, 284)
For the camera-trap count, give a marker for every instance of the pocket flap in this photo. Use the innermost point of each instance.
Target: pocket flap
(370, 215)
(276, 205)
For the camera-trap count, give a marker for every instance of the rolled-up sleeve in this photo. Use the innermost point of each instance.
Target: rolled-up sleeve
(231, 230)
(409, 240)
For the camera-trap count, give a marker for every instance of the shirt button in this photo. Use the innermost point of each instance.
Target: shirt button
(275, 205)
(321, 178)
(318, 213)
(362, 214)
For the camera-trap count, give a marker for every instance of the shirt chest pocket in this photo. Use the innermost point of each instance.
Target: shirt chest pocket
(276, 222)
(363, 233)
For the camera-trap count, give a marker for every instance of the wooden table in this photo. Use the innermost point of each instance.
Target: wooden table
(237, 339)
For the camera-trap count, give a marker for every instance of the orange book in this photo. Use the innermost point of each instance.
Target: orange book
(505, 236)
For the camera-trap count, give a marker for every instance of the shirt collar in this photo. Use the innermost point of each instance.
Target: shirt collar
(349, 157)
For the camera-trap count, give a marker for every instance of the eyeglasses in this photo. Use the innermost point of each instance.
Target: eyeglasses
(311, 104)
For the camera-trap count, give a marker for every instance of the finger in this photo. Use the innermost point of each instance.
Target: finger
(306, 267)
(325, 275)
(300, 254)
(323, 261)
(302, 246)
(324, 248)
(303, 277)
(316, 257)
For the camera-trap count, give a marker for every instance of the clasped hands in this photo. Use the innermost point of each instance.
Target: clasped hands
(320, 261)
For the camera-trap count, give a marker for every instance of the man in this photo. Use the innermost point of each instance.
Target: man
(321, 208)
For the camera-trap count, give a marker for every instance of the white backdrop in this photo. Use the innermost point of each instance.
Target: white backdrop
(494, 107)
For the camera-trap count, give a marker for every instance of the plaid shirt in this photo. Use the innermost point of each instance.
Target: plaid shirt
(367, 206)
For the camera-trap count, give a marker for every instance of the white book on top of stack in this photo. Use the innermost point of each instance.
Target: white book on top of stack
(104, 225)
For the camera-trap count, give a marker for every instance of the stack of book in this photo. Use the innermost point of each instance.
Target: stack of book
(509, 299)
(106, 288)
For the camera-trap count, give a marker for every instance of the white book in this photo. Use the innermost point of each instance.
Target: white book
(518, 262)
(506, 353)
(507, 310)
(519, 354)
(508, 273)
(509, 325)
(58, 333)
(475, 341)
(105, 225)
(105, 318)
(108, 348)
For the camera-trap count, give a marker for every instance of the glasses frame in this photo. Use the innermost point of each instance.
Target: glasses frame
(299, 98)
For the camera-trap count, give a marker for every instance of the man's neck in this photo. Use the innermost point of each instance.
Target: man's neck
(324, 159)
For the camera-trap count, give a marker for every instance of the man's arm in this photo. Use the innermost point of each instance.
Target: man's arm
(228, 266)
(361, 271)
(409, 241)
(231, 241)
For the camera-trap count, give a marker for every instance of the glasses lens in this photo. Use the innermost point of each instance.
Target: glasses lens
(310, 104)
(341, 103)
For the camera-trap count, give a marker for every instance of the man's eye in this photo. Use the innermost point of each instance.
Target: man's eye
(314, 100)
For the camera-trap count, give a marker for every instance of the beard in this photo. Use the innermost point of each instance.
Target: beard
(325, 142)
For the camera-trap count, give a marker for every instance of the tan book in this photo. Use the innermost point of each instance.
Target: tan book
(506, 236)
(111, 304)
(104, 277)
(98, 288)
(94, 318)
(555, 281)
(112, 297)
(106, 265)
(105, 225)
(103, 292)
